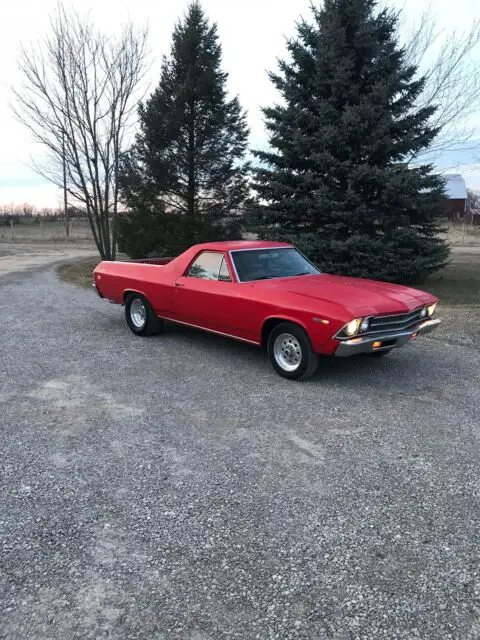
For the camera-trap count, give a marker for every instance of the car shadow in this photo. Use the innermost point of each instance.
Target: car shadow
(400, 367)
(403, 370)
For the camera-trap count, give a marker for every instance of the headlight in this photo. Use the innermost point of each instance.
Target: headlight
(352, 327)
(432, 308)
(364, 325)
(423, 312)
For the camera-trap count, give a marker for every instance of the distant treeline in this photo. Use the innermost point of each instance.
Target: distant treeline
(29, 215)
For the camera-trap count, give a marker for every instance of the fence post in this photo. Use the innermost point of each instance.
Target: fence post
(11, 225)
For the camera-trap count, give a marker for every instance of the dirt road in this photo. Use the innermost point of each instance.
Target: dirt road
(17, 258)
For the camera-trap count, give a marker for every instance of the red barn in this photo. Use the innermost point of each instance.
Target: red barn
(455, 204)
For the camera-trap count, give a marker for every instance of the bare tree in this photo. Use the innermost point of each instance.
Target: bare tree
(77, 98)
(473, 202)
(450, 62)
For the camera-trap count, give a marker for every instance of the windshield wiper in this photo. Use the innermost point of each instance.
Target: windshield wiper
(266, 278)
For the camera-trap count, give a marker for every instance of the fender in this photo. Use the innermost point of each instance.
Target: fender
(130, 290)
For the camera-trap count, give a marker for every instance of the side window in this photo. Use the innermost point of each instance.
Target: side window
(224, 273)
(206, 266)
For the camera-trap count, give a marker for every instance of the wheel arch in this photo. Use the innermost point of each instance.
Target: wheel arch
(270, 323)
(127, 292)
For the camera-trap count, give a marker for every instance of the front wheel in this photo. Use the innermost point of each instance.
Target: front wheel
(290, 352)
(140, 316)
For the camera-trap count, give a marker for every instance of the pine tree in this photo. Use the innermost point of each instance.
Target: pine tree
(336, 178)
(188, 158)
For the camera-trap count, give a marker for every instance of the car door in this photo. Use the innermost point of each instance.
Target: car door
(206, 295)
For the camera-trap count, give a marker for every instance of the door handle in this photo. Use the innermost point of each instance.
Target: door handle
(179, 284)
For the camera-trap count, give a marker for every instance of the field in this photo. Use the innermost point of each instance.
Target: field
(462, 235)
(39, 229)
(459, 282)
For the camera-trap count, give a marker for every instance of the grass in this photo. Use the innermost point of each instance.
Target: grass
(459, 282)
(78, 273)
(44, 230)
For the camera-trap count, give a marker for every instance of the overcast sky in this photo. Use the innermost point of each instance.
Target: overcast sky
(252, 33)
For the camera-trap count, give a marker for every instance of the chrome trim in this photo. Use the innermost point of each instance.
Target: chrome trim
(371, 329)
(389, 316)
(220, 333)
(235, 266)
(230, 251)
(363, 344)
(290, 246)
(225, 261)
(94, 287)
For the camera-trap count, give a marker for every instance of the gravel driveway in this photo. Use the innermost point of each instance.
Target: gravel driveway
(177, 488)
(18, 257)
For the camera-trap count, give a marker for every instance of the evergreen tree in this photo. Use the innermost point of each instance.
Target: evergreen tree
(188, 158)
(336, 178)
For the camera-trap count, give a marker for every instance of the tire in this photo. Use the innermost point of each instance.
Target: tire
(290, 352)
(140, 316)
(379, 354)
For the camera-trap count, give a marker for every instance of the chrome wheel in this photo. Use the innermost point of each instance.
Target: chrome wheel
(138, 313)
(287, 352)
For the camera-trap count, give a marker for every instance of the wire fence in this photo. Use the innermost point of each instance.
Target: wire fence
(17, 228)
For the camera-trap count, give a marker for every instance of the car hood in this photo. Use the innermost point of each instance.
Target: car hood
(360, 296)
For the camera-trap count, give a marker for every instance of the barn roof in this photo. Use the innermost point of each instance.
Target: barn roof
(455, 187)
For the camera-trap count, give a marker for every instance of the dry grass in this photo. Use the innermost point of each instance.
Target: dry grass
(78, 273)
(459, 282)
(462, 235)
(39, 230)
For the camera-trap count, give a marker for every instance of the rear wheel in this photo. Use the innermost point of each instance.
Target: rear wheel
(140, 316)
(290, 352)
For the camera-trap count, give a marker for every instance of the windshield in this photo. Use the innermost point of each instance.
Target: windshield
(264, 264)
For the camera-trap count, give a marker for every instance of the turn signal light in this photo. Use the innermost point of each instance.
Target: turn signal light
(376, 344)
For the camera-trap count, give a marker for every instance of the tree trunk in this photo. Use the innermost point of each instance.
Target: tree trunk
(65, 197)
(191, 166)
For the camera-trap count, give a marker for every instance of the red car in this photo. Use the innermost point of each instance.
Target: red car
(268, 294)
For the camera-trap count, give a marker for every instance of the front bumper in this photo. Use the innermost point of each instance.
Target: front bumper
(387, 341)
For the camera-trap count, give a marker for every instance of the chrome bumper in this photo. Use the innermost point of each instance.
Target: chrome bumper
(365, 344)
(94, 286)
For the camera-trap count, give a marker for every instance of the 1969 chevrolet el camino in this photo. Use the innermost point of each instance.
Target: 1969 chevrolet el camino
(268, 294)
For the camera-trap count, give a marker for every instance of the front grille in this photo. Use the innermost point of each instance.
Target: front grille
(396, 323)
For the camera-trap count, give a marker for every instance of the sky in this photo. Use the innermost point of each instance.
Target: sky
(252, 34)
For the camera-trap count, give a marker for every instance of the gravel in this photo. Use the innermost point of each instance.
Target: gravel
(24, 256)
(177, 488)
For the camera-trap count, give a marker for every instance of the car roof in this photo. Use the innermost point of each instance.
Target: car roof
(238, 245)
